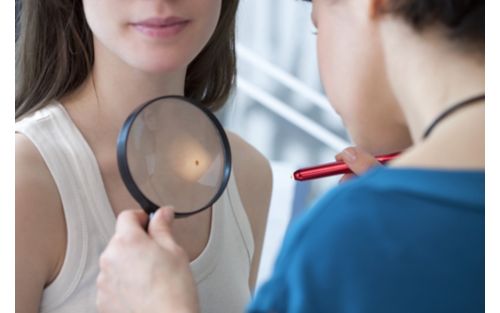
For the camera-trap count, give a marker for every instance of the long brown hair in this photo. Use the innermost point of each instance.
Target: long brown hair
(54, 55)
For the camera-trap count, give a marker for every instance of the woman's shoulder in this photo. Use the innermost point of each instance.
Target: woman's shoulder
(254, 181)
(252, 171)
(34, 181)
(38, 113)
(40, 225)
(31, 169)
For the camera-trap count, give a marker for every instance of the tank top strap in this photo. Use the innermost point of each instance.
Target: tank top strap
(240, 216)
(76, 175)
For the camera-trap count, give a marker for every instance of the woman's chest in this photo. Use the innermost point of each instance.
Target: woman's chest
(191, 233)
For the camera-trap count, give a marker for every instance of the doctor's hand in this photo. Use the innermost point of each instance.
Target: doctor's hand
(145, 271)
(358, 160)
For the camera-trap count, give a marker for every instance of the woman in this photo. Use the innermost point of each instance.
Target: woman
(404, 238)
(83, 66)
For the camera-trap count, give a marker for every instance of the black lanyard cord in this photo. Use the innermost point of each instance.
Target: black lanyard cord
(451, 110)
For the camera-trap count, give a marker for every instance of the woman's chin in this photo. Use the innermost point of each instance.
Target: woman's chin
(158, 67)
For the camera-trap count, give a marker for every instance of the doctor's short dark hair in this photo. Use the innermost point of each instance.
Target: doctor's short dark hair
(463, 19)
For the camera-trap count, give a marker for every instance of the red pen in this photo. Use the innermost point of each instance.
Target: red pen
(335, 168)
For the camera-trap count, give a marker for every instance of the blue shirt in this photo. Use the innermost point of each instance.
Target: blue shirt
(393, 240)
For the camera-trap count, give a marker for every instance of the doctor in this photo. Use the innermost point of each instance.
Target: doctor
(404, 238)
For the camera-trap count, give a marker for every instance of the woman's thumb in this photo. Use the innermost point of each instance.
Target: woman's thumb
(160, 227)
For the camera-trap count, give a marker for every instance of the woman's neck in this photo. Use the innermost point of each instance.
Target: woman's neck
(114, 89)
(111, 92)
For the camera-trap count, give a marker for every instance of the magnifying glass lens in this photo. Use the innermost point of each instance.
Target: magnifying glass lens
(176, 154)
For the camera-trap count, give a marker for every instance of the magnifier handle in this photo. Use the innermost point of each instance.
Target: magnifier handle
(150, 218)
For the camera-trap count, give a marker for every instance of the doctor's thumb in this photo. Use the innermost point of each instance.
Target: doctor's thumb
(358, 160)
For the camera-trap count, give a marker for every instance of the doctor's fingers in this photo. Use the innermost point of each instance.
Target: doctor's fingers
(358, 160)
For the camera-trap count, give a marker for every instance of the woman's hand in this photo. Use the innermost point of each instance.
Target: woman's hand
(358, 160)
(145, 271)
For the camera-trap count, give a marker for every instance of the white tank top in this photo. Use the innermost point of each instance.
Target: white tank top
(221, 271)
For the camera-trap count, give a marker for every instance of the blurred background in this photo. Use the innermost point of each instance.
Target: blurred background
(280, 107)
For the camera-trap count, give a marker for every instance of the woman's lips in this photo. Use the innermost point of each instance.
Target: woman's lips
(161, 27)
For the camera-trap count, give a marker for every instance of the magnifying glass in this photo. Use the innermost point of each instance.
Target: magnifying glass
(172, 151)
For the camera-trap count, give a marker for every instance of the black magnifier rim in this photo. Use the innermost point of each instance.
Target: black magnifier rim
(148, 205)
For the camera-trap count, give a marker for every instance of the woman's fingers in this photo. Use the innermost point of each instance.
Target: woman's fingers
(131, 221)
